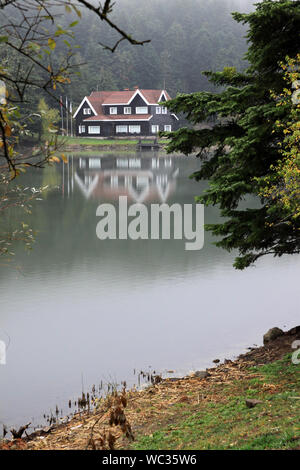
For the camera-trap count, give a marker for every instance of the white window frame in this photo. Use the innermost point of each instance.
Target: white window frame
(81, 129)
(141, 110)
(155, 128)
(86, 111)
(135, 131)
(169, 128)
(158, 109)
(164, 110)
(123, 126)
(113, 110)
(90, 131)
(127, 110)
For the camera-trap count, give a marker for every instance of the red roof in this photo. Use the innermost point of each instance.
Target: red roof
(123, 97)
(152, 96)
(99, 98)
(118, 97)
(119, 117)
(96, 99)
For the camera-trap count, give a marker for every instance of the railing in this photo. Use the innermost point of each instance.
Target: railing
(151, 144)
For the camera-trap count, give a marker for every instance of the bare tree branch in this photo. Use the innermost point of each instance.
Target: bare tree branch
(27, 63)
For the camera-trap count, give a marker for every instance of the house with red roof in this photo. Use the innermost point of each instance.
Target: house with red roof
(124, 113)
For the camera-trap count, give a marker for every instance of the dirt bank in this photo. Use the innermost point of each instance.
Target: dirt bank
(250, 403)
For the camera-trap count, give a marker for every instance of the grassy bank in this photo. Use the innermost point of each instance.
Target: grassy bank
(96, 142)
(196, 413)
(215, 415)
(92, 142)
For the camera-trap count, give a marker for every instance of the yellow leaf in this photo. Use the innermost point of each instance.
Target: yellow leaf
(51, 43)
(54, 159)
(7, 131)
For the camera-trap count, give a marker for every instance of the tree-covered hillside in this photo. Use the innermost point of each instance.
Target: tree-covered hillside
(186, 38)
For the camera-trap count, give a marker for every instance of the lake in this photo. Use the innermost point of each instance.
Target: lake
(77, 310)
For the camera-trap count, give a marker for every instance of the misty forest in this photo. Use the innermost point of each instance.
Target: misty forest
(186, 38)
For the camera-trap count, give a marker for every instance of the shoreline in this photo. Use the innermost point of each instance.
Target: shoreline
(260, 374)
(103, 147)
(81, 145)
(77, 144)
(110, 147)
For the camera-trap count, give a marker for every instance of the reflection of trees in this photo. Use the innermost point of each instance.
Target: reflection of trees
(51, 179)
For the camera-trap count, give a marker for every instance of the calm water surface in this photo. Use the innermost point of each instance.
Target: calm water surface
(80, 309)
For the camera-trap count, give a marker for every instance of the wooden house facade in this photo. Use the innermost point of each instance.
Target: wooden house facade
(124, 114)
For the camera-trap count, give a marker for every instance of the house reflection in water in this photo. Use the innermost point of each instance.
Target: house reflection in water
(141, 178)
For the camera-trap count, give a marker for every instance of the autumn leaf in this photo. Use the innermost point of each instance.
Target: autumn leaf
(54, 159)
(51, 43)
(7, 131)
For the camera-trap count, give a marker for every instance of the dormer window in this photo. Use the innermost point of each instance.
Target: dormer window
(86, 111)
(127, 110)
(113, 110)
(141, 110)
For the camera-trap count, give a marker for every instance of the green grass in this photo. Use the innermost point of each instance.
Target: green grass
(100, 142)
(227, 423)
